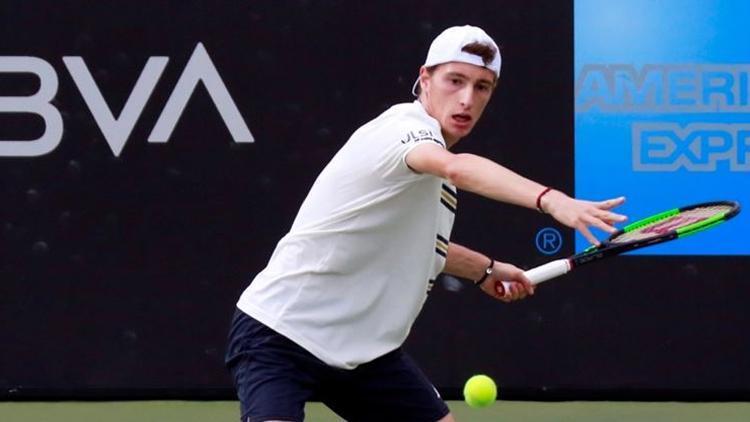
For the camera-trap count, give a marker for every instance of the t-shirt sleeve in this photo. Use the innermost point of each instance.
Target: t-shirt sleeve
(400, 142)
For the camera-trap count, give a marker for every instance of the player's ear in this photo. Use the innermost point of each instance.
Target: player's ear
(424, 79)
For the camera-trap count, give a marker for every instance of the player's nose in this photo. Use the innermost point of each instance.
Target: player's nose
(466, 97)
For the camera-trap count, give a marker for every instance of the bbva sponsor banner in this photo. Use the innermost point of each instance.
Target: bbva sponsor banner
(115, 129)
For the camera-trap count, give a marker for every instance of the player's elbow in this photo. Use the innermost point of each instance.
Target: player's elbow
(456, 170)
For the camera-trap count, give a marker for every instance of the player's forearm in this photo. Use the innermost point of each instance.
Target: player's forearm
(484, 177)
(465, 263)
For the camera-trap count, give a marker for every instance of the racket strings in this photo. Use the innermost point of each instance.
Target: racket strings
(671, 223)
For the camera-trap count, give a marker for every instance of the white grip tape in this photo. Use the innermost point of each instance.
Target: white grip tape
(543, 273)
(548, 271)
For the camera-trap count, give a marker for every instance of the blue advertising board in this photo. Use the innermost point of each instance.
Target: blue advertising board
(662, 111)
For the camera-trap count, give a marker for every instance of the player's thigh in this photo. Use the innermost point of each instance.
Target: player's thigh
(272, 375)
(389, 388)
(268, 391)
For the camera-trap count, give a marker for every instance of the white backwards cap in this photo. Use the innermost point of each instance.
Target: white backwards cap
(447, 47)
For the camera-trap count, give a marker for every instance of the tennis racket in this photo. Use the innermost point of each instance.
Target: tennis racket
(659, 228)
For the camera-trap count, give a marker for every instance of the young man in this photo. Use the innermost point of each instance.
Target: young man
(327, 317)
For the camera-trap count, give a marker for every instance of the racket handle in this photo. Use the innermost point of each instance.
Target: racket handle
(542, 273)
(548, 271)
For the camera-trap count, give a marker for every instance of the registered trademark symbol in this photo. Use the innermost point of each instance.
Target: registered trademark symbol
(548, 241)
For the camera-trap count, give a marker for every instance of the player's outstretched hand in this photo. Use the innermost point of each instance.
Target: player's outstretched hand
(520, 286)
(581, 215)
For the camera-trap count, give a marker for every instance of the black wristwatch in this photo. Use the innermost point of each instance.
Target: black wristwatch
(487, 271)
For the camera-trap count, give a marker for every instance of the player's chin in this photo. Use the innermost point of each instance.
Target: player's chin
(460, 131)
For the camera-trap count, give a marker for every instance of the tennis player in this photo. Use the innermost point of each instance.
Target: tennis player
(326, 318)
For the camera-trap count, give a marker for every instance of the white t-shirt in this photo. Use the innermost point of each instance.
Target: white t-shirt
(350, 277)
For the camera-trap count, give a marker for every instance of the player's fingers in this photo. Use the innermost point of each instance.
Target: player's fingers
(511, 295)
(507, 292)
(503, 294)
(603, 226)
(525, 282)
(587, 234)
(610, 217)
(590, 220)
(611, 203)
(518, 291)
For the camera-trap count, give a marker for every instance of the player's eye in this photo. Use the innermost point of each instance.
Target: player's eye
(456, 81)
(483, 88)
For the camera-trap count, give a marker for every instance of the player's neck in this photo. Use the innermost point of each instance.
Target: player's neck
(449, 140)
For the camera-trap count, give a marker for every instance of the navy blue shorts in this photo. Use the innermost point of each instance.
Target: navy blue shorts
(275, 377)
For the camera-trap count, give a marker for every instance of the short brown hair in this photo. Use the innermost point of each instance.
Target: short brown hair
(485, 51)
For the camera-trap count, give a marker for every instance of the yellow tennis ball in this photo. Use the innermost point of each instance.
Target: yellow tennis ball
(480, 391)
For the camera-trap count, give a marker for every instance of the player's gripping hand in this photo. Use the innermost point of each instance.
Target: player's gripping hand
(520, 286)
(581, 215)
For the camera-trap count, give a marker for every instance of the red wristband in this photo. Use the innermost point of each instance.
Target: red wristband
(539, 200)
